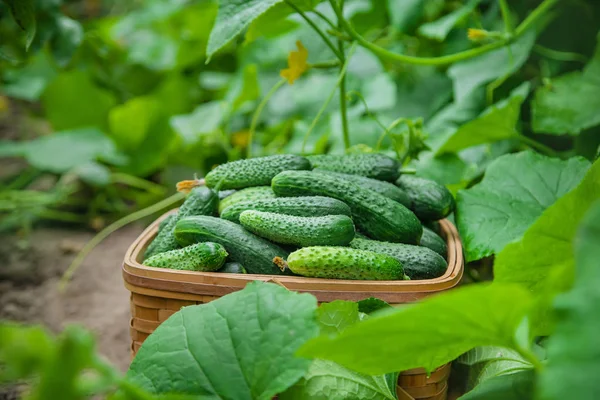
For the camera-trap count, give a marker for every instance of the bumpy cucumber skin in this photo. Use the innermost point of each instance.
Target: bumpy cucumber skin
(371, 165)
(197, 257)
(233, 268)
(430, 201)
(432, 240)
(384, 188)
(254, 253)
(418, 262)
(200, 201)
(328, 230)
(310, 206)
(248, 194)
(376, 215)
(165, 222)
(344, 263)
(253, 171)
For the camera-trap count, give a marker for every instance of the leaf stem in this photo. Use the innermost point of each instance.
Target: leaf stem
(343, 98)
(325, 64)
(508, 26)
(528, 355)
(452, 58)
(559, 55)
(103, 234)
(328, 100)
(316, 28)
(538, 146)
(257, 114)
(324, 18)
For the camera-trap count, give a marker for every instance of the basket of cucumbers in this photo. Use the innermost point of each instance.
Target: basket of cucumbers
(345, 227)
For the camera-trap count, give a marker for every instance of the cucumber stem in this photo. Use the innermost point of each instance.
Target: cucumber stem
(281, 263)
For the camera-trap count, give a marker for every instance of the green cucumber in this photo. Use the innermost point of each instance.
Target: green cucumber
(429, 200)
(310, 206)
(418, 262)
(197, 257)
(433, 241)
(233, 268)
(248, 194)
(376, 215)
(385, 188)
(254, 253)
(343, 263)
(165, 222)
(253, 171)
(371, 165)
(328, 230)
(200, 201)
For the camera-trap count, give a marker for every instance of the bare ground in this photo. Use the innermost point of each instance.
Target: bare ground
(95, 298)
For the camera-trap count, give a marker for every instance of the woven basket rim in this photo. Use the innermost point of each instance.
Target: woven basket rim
(213, 283)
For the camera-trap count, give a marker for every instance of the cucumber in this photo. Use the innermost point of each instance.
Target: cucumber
(375, 215)
(254, 253)
(197, 257)
(166, 221)
(253, 171)
(328, 230)
(233, 268)
(418, 262)
(343, 263)
(429, 200)
(371, 165)
(432, 240)
(248, 194)
(315, 206)
(223, 194)
(385, 188)
(200, 201)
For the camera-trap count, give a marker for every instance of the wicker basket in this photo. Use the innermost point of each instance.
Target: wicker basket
(156, 294)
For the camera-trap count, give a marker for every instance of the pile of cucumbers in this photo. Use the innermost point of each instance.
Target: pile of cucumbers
(347, 216)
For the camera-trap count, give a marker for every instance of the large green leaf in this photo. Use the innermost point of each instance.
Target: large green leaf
(570, 103)
(205, 119)
(23, 12)
(67, 37)
(29, 81)
(240, 346)
(497, 122)
(439, 29)
(542, 260)
(72, 100)
(131, 121)
(428, 334)
(514, 192)
(517, 386)
(233, 17)
(327, 380)
(473, 73)
(574, 348)
(405, 14)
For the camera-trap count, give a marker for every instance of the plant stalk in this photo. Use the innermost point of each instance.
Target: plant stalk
(508, 26)
(534, 144)
(343, 98)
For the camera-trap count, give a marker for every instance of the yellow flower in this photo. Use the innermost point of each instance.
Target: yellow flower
(296, 64)
(240, 138)
(477, 34)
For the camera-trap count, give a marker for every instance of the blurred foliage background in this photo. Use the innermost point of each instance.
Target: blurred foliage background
(114, 101)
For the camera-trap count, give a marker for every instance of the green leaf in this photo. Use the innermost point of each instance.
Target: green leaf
(371, 305)
(247, 90)
(542, 261)
(569, 103)
(93, 174)
(473, 73)
(428, 334)
(232, 18)
(66, 39)
(405, 14)
(75, 147)
(153, 50)
(23, 11)
(439, 29)
(205, 119)
(327, 380)
(272, 23)
(130, 122)
(497, 122)
(72, 100)
(29, 81)
(516, 386)
(240, 346)
(514, 192)
(573, 349)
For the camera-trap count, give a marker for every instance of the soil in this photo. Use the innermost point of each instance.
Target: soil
(95, 298)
